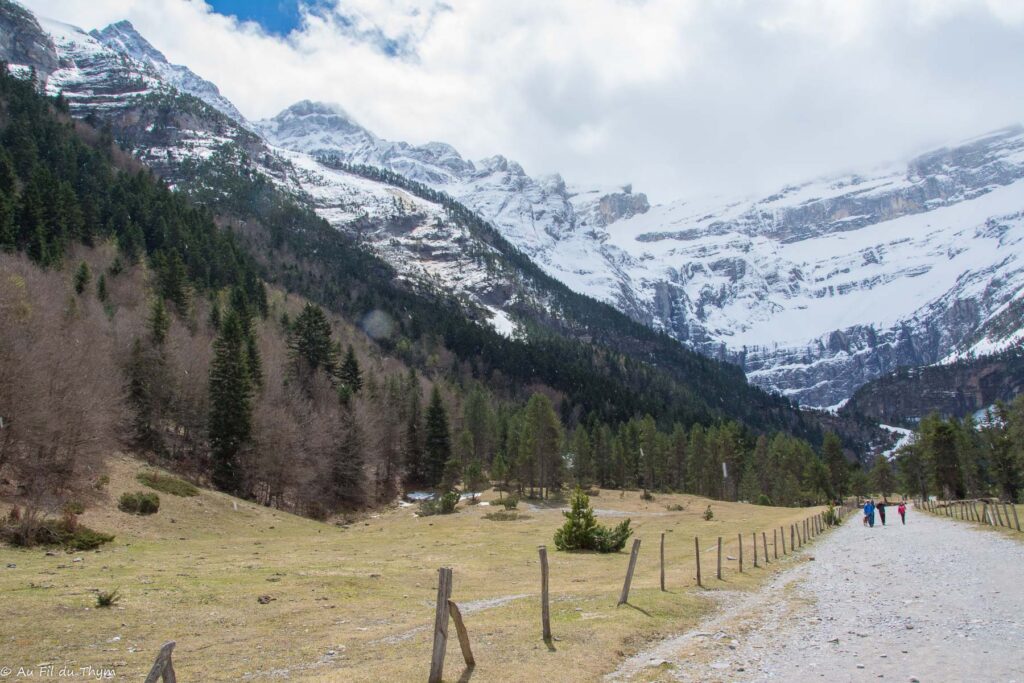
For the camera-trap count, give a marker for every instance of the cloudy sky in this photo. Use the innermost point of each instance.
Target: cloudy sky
(679, 97)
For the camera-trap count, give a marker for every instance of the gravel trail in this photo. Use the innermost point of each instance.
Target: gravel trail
(935, 600)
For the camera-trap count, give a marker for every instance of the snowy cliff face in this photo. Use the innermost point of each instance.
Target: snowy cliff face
(124, 39)
(819, 288)
(548, 220)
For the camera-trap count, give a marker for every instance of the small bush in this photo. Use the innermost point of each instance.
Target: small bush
(505, 516)
(53, 532)
(831, 516)
(139, 503)
(73, 507)
(101, 482)
(647, 495)
(763, 499)
(107, 599)
(675, 507)
(509, 503)
(708, 514)
(582, 532)
(167, 484)
(445, 505)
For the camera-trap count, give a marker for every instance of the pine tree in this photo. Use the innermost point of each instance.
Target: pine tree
(310, 344)
(101, 288)
(437, 444)
(230, 423)
(542, 441)
(159, 322)
(583, 460)
(882, 478)
(499, 472)
(838, 467)
(347, 477)
(412, 445)
(214, 318)
(82, 277)
(349, 374)
(253, 359)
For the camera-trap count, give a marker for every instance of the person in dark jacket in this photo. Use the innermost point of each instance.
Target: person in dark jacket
(881, 511)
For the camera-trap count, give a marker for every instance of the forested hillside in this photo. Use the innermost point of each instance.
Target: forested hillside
(138, 317)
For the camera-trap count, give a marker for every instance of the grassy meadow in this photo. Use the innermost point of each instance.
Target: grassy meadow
(355, 602)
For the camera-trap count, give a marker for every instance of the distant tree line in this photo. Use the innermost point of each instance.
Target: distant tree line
(956, 459)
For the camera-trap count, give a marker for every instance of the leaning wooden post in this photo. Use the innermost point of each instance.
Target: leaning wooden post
(1016, 520)
(984, 513)
(696, 547)
(719, 558)
(662, 560)
(1006, 515)
(444, 593)
(460, 629)
(764, 541)
(624, 598)
(792, 537)
(545, 613)
(753, 537)
(775, 543)
(162, 667)
(782, 534)
(739, 539)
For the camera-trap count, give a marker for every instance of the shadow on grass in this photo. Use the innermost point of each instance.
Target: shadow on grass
(638, 609)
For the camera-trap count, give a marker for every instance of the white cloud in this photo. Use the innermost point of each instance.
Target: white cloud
(677, 97)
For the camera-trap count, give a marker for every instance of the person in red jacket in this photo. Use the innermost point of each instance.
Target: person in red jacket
(902, 509)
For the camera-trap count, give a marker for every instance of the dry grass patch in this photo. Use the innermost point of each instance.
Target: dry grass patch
(356, 603)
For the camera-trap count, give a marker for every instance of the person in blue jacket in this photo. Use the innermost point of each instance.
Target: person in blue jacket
(869, 512)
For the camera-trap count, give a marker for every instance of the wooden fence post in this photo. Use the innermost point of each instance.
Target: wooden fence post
(624, 598)
(775, 543)
(545, 613)
(984, 512)
(662, 560)
(739, 539)
(764, 541)
(444, 593)
(782, 534)
(162, 667)
(1016, 519)
(753, 537)
(460, 629)
(719, 558)
(792, 537)
(696, 546)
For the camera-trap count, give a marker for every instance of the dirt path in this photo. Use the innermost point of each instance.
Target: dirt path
(935, 600)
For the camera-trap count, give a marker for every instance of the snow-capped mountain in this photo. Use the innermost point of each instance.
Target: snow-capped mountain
(813, 290)
(544, 217)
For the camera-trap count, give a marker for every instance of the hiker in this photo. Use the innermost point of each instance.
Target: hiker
(881, 511)
(902, 509)
(869, 513)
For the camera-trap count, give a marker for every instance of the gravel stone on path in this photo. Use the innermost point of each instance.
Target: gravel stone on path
(935, 600)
